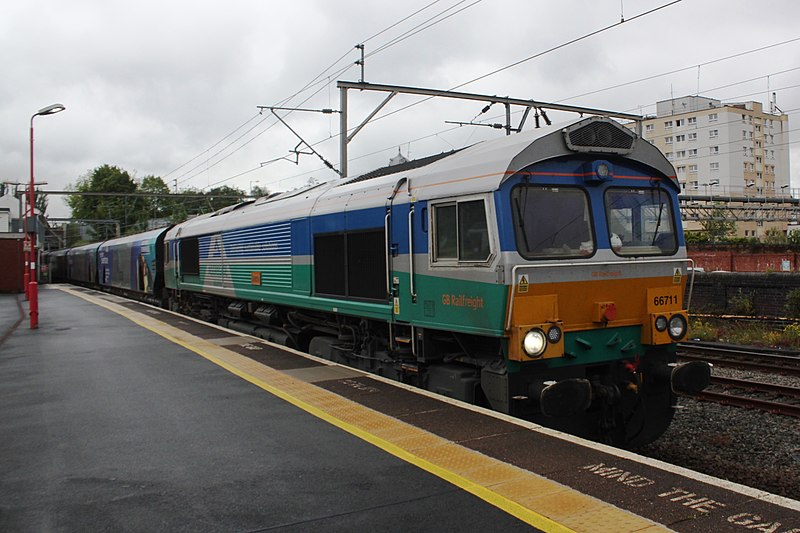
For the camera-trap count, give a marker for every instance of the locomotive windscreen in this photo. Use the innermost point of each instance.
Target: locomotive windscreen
(552, 222)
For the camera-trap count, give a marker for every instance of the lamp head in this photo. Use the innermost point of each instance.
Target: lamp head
(51, 109)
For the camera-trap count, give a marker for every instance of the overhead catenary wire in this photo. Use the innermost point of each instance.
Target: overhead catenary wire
(290, 178)
(315, 81)
(560, 46)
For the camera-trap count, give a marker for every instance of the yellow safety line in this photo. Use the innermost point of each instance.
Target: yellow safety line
(350, 410)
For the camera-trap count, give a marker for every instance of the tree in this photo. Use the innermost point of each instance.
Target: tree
(717, 228)
(106, 179)
(215, 202)
(259, 191)
(155, 206)
(40, 201)
(774, 236)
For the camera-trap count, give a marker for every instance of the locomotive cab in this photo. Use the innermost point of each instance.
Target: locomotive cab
(596, 295)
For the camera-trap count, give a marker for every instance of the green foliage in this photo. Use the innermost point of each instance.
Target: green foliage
(696, 237)
(718, 228)
(258, 191)
(134, 213)
(702, 330)
(793, 238)
(744, 333)
(793, 303)
(103, 179)
(215, 202)
(40, 200)
(774, 236)
(741, 304)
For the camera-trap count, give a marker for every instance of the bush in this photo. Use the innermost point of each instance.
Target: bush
(793, 303)
(703, 331)
(741, 304)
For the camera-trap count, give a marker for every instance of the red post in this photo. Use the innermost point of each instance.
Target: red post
(33, 289)
(26, 269)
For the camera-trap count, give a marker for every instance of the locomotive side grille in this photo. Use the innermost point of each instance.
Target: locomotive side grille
(599, 135)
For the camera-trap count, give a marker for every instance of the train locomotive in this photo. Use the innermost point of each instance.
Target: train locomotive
(540, 275)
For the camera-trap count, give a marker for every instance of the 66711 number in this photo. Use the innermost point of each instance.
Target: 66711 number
(659, 301)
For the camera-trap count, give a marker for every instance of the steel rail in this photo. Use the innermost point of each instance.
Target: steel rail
(741, 359)
(749, 403)
(756, 386)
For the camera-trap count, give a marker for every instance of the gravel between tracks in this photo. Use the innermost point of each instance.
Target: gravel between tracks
(754, 448)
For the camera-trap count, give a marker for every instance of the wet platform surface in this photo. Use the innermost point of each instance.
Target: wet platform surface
(120, 416)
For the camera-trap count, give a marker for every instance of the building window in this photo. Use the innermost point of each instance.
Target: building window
(693, 152)
(713, 117)
(693, 168)
(744, 119)
(692, 137)
(681, 169)
(714, 166)
(649, 128)
(691, 120)
(680, 138)
(680, 154)
(668, 155)
(744, 134)
(668, 124)
(713, 134)
(713, 150)
(668, 140)
(679, 123)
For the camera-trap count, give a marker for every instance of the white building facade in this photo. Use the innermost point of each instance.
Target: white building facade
(732, 149)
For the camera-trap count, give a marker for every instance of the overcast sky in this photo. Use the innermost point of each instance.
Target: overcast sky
(171, 88)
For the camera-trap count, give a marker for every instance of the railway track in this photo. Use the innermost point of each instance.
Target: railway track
(775, 361)
(748, 394)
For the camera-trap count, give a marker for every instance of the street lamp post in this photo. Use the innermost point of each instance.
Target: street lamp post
(33, 288)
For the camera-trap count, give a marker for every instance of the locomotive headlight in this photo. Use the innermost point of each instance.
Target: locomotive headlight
(661, 323)
(554, 334)
(534, 343)
(603, 171)
(677, 327)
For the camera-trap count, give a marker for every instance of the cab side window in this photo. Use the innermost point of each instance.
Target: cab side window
(461, 232)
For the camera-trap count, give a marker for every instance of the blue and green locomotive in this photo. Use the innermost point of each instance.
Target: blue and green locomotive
(540, 275)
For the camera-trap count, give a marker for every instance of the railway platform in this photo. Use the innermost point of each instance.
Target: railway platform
(120, 416)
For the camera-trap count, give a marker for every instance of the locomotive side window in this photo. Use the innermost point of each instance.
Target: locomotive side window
(552, 222)
(461, 232)
(350, 265)
(640, 222)
(190, 256)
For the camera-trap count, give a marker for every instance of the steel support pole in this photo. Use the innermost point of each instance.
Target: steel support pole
(343, 132)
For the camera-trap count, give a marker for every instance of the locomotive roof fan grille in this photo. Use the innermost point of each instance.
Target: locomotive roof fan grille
(599, 134)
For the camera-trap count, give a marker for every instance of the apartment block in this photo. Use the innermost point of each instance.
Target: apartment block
(723, 148)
